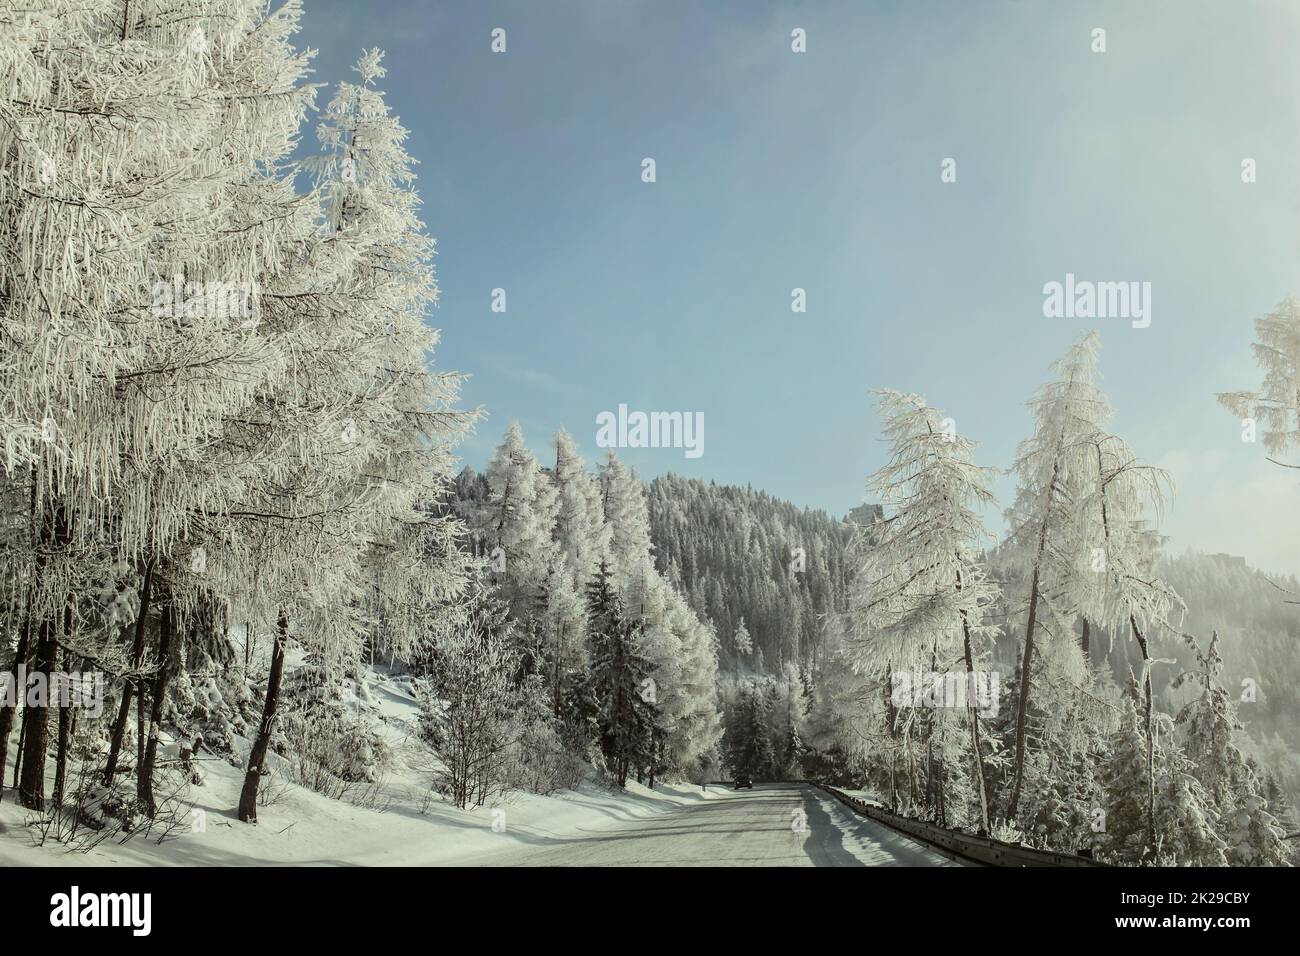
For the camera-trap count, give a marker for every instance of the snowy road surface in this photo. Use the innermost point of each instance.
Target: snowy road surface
(759, 827)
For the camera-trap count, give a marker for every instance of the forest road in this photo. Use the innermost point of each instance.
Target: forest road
(774, 824)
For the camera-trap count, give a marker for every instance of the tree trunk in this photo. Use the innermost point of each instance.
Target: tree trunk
(890, 714)
(975, 726)
(1022, 704)
(893, 781)
(18, 757)
(257, 759)
(168, 656)
(36, 719)
(66, 714)
(137, 657)
(67, 721)
(7, 712)
(1146, 683)
(1023, 700)
(889, 729)
(24, 642)
(141, 718)
(911, 770)
(1146, 716)
(933, 772)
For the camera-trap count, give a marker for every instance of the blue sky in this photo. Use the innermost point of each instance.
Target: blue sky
(820, 170)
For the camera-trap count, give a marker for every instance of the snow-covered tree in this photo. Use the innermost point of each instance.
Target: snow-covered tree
(1276, 406)
(581, 534)
(1052, 533)
(627, 519)
(920, 592)
(751, 751)
(681, 652)
(517, 518)
(563, 631)
(741, 640)
(1124, 590)
(130, 387)
(790, 757)
(1184, 829)
(468, 716)
(1252, 834)
(354, 445)
(621, 680)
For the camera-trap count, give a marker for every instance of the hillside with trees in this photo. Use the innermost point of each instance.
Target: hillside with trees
(764, 571)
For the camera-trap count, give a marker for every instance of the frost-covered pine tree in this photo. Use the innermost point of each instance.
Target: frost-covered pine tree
(626, 517)
(697, 731)
(622, 681)
(354, 444)
(245, 52)
(1276, 405)
(839, 714)
(1210, 725)
(517, 518)
(1186, 821)
(203, 107)
(1124, 591)
(792, 743)
(581, 534)
(563, 631)
(920, 593)
(1053, 534)
(467, 716)
(681, 651)
(1123, 775)
(750, 749)
(1184, 831)
(741, 640)
(581, 542)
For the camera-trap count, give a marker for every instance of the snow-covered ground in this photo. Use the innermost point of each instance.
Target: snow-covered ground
(304, 827)
(402, 823)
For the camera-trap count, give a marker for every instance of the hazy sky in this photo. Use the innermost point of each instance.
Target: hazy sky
(821, 170)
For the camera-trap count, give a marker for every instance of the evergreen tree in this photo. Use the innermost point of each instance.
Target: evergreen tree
(1123, 784)
(741, 640)
(1051, 534)
(627, 519)
(580, 532)
(1252, 834)
(621, 680)
(335, 516)
(517, 517)
(920, 592)
(1276, 405)
(468, 716)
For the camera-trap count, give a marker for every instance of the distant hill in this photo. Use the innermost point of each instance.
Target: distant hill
(737, 553)
(1259, 638)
